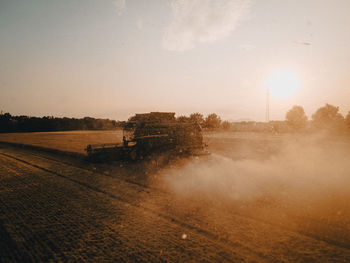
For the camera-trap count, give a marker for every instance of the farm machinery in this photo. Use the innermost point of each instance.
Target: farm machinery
(152, 133)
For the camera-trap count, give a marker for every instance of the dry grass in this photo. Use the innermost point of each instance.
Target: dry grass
(273, 197)
(71, 141)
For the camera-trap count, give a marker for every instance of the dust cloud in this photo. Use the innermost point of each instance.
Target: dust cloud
(304, 169)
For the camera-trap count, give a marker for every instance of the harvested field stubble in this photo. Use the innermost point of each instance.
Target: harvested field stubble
(256, 198)
(71, 141)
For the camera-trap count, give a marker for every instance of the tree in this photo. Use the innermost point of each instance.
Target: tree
(225, 125)
(197, 117)
(328, 117)
(183, 118)
(347, 121)
(296, 118)
(212, 121)
(6, 122)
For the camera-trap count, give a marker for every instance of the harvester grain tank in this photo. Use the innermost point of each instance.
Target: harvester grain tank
(152, 133)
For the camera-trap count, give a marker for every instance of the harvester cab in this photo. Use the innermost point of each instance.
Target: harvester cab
(152, 133)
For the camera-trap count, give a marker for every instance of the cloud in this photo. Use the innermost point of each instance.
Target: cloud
(119, 6)
(203, 21)
(247, 47)
(139, 24)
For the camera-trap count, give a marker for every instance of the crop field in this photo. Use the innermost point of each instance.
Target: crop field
(72, 141)
(256, 198)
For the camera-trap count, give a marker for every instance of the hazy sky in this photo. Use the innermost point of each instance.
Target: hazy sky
(105, 58)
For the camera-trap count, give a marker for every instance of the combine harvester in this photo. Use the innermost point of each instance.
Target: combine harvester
(151, 134)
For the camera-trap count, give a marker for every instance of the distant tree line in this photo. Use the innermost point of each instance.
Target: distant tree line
(326, 118)
(9, 123)
(211, 121)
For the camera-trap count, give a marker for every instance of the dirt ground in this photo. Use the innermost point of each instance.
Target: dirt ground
(256, 198)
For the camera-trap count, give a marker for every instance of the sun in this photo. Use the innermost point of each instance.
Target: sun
(283, 83)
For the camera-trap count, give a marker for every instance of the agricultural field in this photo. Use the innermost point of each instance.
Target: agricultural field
(256, 198)
(72, 141)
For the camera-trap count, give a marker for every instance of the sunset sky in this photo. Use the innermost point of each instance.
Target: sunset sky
(111, 59)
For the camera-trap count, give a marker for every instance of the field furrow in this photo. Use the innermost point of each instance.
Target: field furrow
(158, 218)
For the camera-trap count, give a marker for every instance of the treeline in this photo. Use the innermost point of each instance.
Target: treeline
(326, 118)
(9, 123)
(211, 121)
